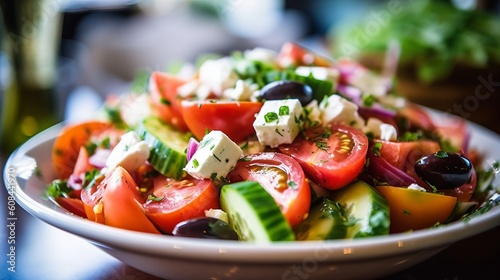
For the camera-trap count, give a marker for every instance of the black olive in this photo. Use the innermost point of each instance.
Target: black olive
(286, 90)
(444, 170)
(206, 227)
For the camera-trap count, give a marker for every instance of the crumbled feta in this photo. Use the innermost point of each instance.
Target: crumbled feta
(392, 101)
(312, 114)
(241, 92)
(278, 122)
(139, 105)
(218, 75)
(338, 109)
(188, 89)
(215, 157)
(319, 73)
(261, 54)
(380, 130)
(218, 214)
(130, 153)
(416, 187)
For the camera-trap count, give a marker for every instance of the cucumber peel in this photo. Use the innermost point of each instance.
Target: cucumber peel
(326, 220)
(367, 210)
(167, 146)
(254, 214)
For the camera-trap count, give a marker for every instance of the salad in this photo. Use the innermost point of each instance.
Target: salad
(262, 146)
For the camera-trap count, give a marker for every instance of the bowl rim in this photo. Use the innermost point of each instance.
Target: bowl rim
(232, 251)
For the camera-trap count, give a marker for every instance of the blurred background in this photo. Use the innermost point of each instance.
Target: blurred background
(60, 59)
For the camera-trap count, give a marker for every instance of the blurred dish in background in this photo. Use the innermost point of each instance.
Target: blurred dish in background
(450, 56)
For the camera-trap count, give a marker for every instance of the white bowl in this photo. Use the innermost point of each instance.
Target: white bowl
(187, 258)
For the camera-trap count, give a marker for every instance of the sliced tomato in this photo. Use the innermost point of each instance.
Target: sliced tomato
(415, 116)
(454, 131)
(123, 204)
(294, 54)
(73, 205)
(163, 90)
(82, 163)
(403, 155)
(92, 199)
(176, 201)
(282, 177)
(464, 192)
(413, 210)
(234, 118)
(67, 145)
(331, 156)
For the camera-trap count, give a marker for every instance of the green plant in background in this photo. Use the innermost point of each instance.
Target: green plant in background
(434, 36)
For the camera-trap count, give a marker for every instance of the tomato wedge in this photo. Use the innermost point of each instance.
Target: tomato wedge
(234, 118)
(331, 156)
(92, 199)
(282, 177)
(403, 155)
(123, 204)
(67, 145)
(163, 90)
(412, 209)
(176, 201)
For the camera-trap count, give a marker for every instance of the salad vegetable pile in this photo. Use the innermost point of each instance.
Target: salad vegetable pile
(263, 146)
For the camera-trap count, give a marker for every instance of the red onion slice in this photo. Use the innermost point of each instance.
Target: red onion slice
(383, 171)
(98, 159)
(192, 147)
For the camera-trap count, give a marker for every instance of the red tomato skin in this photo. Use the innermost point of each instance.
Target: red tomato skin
(163, 91)
(181, 200)
(234, 118)
(73, 205)
(318, 164)
(403, 155)
(463, 193)
(123, 204)
(294, 201)
(67, 145)
(92, 200)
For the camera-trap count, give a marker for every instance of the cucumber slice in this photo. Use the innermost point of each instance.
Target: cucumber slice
(326, 220)
(253, 213)
(167, 146)
(367, 210)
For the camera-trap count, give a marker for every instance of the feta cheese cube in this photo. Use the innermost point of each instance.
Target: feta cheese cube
(218, 75)
(338, 109)
(130, 153)
(278, 122)
(380, 130)
(215, 157)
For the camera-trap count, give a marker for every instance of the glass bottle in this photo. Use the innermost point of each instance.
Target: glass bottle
(30, 40)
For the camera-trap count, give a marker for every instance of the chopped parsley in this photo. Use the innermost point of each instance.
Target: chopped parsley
(441, 154)
(284, 111)
(154, 198)
(279, 133)
(376, 148)
(369, 100)
(165, 101)
(270, 117)
(58, 188)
